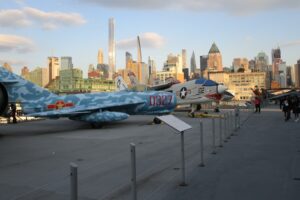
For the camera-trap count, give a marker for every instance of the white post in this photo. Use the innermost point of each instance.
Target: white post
(225, 127)
(73, 181)
(228, 126)
(214, 136)
(220, 132)
(201, 145)
(182, 160)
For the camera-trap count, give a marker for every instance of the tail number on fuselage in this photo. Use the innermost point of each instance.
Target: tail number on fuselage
(160, 100)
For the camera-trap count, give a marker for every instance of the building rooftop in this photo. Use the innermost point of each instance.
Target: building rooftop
(214, 49)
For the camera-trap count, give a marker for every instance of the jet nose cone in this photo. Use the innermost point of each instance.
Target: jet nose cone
(221, 89)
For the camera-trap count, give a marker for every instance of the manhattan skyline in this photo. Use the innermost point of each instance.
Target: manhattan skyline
(31, 31)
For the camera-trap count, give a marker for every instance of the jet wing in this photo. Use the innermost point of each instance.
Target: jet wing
(69, 112)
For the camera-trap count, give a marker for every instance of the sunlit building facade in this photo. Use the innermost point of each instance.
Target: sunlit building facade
(240, 64)
(100, 58)
(214, 62)
(53, 67)
(39, 76)
(240, 84)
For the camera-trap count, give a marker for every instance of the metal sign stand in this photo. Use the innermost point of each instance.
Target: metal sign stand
(180, 126)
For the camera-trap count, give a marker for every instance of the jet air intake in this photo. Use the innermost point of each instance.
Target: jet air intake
(3, 101)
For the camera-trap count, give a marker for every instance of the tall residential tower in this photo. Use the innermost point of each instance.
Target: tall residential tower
(111, 47)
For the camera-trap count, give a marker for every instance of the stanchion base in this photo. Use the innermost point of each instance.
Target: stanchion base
(201, 165)
(214, 153)
(220, 146)
(183, 184)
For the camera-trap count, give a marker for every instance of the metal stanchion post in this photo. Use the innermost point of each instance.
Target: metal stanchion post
(228, 125)
(239, 121)
(214, 136)
(133, 171)
(235, 118)
(201, 145)
(232, 122)
(238, 118)
(220, 132)
(225, 127)
(182, 160)
(74, 187)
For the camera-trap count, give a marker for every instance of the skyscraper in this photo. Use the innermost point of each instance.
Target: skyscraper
(214, 62)
(184, 65)
(297, 74)
(261, 62)
(66, 63)
(139, 59)
(128, 58)
(152, 66)
(100, 56)
(289, 76)
(193, 63)
(276, 54)
(276, 61)
(111, 47)
(53, 66)
(203, 64)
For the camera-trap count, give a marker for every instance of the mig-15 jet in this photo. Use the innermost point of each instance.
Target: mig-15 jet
(94, 108)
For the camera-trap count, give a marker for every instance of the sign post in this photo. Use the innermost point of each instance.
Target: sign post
(180, 126)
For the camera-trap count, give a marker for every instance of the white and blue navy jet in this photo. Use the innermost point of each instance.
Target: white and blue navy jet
(94, 108)
(196, 92)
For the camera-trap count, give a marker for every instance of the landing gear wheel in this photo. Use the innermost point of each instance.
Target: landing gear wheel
(96, 125)
(199, 107)
(156, 121)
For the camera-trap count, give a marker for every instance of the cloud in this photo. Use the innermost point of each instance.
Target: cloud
(13, 18)
(148, 40)
(27, 16)
(15, 43)
(232, 6)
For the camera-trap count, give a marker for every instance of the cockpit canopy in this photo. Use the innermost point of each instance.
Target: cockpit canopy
(205, 82)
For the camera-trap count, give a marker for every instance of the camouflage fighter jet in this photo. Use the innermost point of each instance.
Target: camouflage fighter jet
(94, 108)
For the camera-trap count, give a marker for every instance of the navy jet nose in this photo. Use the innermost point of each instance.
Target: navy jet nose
(221, 89)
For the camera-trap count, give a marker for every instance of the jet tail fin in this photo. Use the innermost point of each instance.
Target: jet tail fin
(20, 90)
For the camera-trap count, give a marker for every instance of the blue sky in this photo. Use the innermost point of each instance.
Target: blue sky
(32, 30)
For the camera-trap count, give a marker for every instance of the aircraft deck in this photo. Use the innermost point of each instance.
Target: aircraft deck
(262, 160)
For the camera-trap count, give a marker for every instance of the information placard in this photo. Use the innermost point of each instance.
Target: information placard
(175, 123)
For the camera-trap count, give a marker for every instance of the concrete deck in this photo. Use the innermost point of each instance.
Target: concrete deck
(261, 162)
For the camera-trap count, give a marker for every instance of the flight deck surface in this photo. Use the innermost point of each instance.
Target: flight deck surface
(262, 160)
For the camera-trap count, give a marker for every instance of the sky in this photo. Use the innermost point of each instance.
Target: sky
(32, 30)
